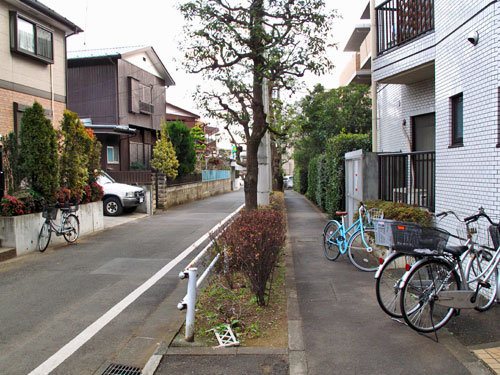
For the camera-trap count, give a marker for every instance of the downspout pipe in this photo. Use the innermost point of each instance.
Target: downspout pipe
(373, 29)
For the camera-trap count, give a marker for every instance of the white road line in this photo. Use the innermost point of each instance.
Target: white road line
(72, 346)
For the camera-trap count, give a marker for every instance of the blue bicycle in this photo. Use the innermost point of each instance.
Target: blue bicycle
(358, 240)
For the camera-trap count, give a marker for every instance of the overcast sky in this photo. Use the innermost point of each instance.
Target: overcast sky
(124, 23)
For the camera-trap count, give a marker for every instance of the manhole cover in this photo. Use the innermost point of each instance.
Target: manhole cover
(117, 369)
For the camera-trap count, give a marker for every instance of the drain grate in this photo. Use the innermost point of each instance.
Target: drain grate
(116, 369)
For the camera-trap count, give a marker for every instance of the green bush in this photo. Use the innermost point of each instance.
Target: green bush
(164, 157)
(253, 244)
(337, 147)
(38, 159)
(312, 179)
(184, 147)
(402, 212)
(13, 174)
(303, 180)
(76, 147)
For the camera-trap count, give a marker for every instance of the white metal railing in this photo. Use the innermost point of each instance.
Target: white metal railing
(191, 273)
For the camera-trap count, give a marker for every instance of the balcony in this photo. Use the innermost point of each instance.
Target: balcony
(399, 21)
(408, 178)
(353, 72)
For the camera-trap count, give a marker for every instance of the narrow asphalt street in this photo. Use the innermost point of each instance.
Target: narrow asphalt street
(49, 299)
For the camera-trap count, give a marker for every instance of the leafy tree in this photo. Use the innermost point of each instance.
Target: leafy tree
(344, 110)
(38, 157)
(242, 47)
(11, 166)
(183, 145)
(94, 153)
(76, 148)
(164, 158)
(200, 145)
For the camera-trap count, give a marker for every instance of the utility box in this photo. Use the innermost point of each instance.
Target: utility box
(361, 180)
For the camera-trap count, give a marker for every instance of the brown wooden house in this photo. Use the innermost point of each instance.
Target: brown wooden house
(120, 94)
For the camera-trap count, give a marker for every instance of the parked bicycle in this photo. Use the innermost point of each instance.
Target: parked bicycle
(438, 286)
(392, 269)
(69, 227)
(358, 240)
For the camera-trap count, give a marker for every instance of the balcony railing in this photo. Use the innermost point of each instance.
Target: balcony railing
(408, 178)
(399, 21)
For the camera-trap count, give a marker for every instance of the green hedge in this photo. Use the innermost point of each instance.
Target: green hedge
(326, 173)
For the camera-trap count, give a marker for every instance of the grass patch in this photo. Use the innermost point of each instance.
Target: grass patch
(254, 325)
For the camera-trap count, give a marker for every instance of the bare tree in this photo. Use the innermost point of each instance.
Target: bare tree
(241, 45)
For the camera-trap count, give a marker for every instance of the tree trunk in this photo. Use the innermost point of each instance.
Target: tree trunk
(276, 167)
(252, 176)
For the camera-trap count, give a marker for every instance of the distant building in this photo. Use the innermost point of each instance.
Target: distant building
(120, 92)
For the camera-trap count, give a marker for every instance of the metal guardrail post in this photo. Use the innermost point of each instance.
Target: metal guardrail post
(191, 304)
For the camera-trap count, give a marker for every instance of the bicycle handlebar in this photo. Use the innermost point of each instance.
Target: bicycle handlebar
(478, 215)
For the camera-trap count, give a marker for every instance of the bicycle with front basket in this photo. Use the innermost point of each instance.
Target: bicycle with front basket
(358, 240)
(69, 227)
(437, 287)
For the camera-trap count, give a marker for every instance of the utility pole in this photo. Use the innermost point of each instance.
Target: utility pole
(264, 156)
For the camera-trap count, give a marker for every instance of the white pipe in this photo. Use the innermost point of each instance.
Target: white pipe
(191, 304)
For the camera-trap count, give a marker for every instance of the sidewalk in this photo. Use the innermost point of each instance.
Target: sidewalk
(335, 324)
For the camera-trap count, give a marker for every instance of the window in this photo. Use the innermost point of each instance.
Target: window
(31, 39)
(457, 120)
(140, 97)
(113, 155)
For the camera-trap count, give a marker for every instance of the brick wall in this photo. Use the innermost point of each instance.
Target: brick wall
(7, 99)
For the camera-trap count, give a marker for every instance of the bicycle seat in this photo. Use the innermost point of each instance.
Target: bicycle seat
(341, 213)
(455, 250)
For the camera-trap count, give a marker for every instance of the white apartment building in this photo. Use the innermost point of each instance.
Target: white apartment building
(436, 70)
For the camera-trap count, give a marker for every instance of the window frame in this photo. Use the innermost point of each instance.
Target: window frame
(116, 154)
(456, 141)
(14, 39)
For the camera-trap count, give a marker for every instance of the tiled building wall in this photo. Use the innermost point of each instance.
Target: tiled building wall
(397, 103)
(466, 177)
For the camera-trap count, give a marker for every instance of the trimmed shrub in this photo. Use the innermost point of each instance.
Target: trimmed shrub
(38, 159)
(164, 157)
(303, 181)
(12, 206)
(402, 212)
(184, 147)
(13, 174)
(75, 154)
(335, 167)
(312, 179)
(252, 245)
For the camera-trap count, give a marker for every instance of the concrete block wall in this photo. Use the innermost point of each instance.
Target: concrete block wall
(466, 177)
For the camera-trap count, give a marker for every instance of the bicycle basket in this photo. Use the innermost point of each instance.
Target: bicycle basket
(49, 212)
(495, 235)
(414, 239)
(383, 232)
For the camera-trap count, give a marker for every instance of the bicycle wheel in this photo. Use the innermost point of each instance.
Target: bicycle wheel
(360, 256)
(388, 283)
(44, 237)
(332, 240)
(477, 265)
(71, 228)
(421, 291)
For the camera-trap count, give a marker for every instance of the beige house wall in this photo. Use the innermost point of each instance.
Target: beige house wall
(24, 71)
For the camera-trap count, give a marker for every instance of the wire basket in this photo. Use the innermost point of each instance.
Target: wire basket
(479, 232)
(49, 212)
(383, 232)
(494, 231)
(412, 238)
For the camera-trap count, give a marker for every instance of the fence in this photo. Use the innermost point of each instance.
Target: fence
(131, 177)
(213, 175)
(408, 178)
(187, 179)
(399, 21)
(191, 273)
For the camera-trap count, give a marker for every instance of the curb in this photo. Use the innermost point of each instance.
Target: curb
(296, 350)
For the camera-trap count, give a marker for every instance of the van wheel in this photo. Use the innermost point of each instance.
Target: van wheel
(112, 207)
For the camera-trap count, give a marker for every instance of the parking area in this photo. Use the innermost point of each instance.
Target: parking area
(113, 221)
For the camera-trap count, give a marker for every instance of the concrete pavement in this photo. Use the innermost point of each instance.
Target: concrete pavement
(336, 325)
